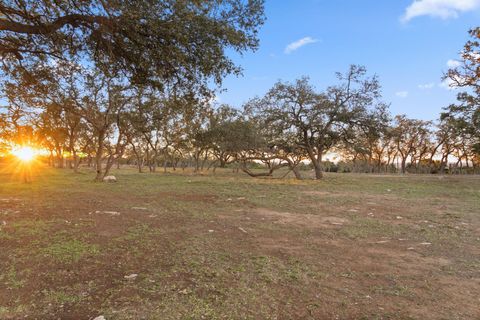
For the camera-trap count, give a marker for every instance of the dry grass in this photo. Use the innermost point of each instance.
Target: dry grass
(231, 247)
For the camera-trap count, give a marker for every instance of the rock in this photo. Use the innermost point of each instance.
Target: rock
(109, 179)
(139, 208)
(210, 231)
(243, 230)
(100, 318)
(411, 248)
(425, 243)
(399, 218)
(353, 210)
(132, 276)
(113, 213)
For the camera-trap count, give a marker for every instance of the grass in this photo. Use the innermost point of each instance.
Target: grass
(227, 246)
(69, 250)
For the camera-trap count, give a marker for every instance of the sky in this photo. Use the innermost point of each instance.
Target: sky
(408, 44)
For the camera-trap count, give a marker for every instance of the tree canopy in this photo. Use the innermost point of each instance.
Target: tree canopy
(150, 41)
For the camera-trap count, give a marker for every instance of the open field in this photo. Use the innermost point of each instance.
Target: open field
(232, 247)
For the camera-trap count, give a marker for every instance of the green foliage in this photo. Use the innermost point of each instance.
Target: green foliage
(151, 41)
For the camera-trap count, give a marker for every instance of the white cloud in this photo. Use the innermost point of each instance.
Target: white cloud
(447, 84)
(453, 63)
(402, 94)
(426, 86)
(443, 9)
(298, 44)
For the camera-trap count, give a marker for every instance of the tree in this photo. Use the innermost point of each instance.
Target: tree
(319, 121)
(150, 41)
(410, 136)
(467, 76)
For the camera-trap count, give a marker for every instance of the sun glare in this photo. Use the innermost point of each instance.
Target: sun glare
(25, 154)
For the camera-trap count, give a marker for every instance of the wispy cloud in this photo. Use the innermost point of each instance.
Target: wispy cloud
(298, 44)
(447, 84)
(453, 63)
(443, 9)
(401, 94)
(426, 86)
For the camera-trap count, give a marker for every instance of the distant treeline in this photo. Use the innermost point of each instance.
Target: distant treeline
(90, 84)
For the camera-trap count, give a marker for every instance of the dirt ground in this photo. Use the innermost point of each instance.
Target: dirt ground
(184, 246)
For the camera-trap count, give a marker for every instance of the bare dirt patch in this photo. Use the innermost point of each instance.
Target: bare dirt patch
(298, 219)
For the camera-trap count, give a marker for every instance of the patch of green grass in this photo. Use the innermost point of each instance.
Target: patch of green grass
(30, 227)
(3, 311)
(396, 289)
(362, 228)
(60, 297)
(11, 279)
(69, 251)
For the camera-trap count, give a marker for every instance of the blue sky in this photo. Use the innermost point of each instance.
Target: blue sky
(407, 44)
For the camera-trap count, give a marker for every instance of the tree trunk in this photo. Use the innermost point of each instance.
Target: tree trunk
(98, 157)
(404, 164)
(297, 173)
(318, 172)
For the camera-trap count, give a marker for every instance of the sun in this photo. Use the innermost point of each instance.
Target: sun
(25, 154)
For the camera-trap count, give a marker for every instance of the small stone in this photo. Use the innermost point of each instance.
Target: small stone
(210, 231)
(110, 179)
(100, 318)
(243, 230)
(425, 243)
(399, 218)
(184, 291)
(132, 276)
(382, 241)
(411, 248)
(113, 213)
(241, 198)
(353, 210)
(139, 208)
(388, 190)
